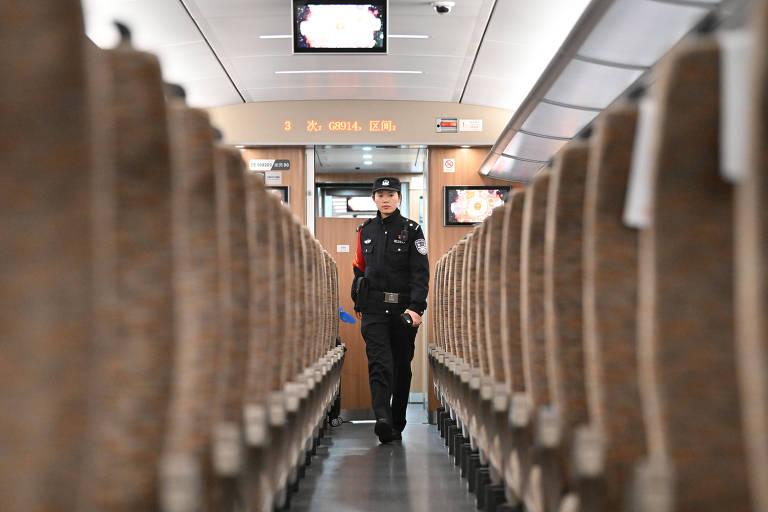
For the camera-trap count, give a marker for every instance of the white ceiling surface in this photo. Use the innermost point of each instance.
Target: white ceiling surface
(522, 38)
(383, 160)
(164, 28)
(492, 63)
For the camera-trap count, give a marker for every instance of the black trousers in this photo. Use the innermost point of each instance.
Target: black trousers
(389, 345)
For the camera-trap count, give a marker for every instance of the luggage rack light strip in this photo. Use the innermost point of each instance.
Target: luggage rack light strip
(528, 160)
(391, 36)
(322, 71)
(610, 64)
(543, 136)
(571, 106)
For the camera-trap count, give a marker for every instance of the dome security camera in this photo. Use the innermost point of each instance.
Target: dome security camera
(443, 7)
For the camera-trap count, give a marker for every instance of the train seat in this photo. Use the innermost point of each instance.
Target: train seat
(686, 267)
(610, 305)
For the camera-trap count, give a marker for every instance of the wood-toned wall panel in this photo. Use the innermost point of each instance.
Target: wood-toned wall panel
(440, 237)
(355, 393)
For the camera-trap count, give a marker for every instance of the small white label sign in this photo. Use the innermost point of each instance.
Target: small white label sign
(470, 125)
(637, 202)
(260, 164)
(449, 165)
(342, 248)
(273, 178)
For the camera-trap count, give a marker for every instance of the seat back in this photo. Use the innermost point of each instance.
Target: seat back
(511, 290)
(610, 303)
(186, 452)
(532, 290)
(479, 300)
(752, 278)
(259, 371)
(692, 317)
(469, 294)
(234, 297)
(563, 285)
(134, 353)
(457, 318)
(46, 284)
(490, 295)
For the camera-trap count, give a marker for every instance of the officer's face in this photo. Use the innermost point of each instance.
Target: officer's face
(386, 201)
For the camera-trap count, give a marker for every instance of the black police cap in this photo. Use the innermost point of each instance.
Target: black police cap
(386, 183)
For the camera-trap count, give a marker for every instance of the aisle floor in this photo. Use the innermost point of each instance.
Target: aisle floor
(353, 472)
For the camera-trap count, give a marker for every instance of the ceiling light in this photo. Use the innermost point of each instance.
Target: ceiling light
(408, 36)
(323, 71)
(240, 147)
(464, 146)
(276, 36)
(368, 156)
(367, 162)
(367, 148)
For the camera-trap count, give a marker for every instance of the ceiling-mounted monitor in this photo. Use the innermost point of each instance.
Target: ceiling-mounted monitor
(340, 26)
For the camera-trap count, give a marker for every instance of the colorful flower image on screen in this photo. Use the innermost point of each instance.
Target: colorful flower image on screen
(340, 26)
(470, 206)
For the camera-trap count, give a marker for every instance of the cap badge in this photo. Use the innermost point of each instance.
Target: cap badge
(385, 183)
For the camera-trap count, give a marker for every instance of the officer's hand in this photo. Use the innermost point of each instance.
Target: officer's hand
(415, 316)
(358, 315)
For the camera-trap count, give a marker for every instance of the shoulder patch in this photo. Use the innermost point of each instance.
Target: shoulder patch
(421, 246)
(361, 226)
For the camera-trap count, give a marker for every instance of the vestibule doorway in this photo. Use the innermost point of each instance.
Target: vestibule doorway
(341, 200)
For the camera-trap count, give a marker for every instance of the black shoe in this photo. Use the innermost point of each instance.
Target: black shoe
(384, 430)
(397, 435)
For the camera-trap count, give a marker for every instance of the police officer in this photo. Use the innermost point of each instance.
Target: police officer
(390, 293)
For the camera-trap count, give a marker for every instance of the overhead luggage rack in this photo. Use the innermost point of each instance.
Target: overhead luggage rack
(612, 47)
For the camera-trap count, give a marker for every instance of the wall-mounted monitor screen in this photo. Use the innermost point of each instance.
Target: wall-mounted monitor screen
(281, 191)
(340, 26)
(472, 204)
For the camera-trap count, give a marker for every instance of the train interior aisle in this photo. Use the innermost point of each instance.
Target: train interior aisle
(352, 471)
(181, 187)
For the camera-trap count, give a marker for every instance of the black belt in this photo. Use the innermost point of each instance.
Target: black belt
(390, 297)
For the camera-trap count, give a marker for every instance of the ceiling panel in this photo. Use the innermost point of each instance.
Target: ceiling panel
(519, 41)
(350, 93)
(382, 159)
(557, 121)
(495, 92)
(238, 36)
(262, 71)
(639, 31)
(164, 28)
(153, 23)
(533, 148)
(591, 85)
(233, 29)
(247, 8)
(211, 92)
(507, 168)
(510, 61)
(188, 62)
(525, 22)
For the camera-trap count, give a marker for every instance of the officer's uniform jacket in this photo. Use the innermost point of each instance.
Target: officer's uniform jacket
(392, 255)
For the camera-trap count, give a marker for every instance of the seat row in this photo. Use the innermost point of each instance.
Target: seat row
(168, 328)
(600, 341)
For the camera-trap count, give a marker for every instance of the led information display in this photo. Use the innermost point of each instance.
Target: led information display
(344, 126)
